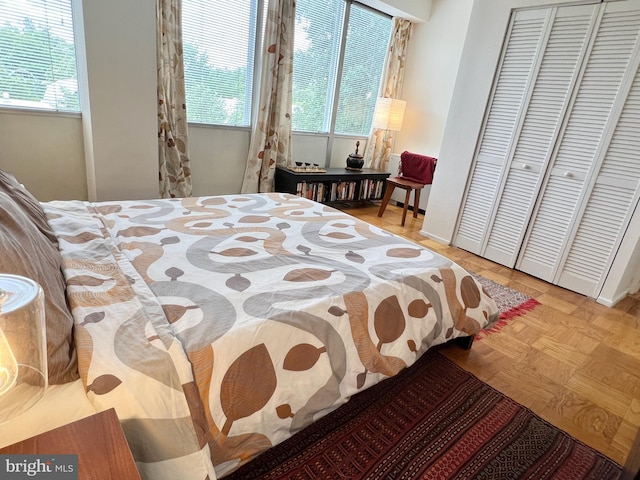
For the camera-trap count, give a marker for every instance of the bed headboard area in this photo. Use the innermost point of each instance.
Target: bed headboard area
(28, 247)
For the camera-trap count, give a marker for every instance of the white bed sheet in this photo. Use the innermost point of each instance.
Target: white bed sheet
(60, 405)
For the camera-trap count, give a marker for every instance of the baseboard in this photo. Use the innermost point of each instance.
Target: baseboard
(608, 302)
(424, 233)
(410, 208)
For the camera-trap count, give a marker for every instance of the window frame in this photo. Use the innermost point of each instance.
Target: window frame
(336, 74)
(334, 92)
(338, 82)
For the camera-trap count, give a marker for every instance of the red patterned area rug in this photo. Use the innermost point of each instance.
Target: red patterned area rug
(432, 421)
(511, 303)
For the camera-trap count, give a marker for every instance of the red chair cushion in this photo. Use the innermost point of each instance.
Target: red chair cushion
(417, 168)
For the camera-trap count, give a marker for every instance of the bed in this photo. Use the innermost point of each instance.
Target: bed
(219, 326)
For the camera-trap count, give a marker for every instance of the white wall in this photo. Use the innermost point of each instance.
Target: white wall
(624, 276)
(432, 65)
(45, 152)
(480, 55)
(433, 59)
(218, 159)
(111, 151)
(414, 10)
(120, 111)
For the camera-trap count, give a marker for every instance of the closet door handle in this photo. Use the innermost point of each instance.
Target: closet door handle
(526, 166)
(568, 174)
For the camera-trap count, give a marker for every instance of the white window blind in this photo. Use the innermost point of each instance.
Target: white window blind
(318, 36)
(37, 55)
(219, 44)
(365, 51)
(339, 47)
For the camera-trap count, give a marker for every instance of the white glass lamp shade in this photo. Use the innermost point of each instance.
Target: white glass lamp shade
(389, 114)
(23, 348)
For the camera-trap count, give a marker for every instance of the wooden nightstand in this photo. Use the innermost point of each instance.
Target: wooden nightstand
(98, 440)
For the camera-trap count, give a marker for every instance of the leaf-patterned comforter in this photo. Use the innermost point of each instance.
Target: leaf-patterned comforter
(219, 326)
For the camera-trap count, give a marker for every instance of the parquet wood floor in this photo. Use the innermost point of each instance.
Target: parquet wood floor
(574, 362)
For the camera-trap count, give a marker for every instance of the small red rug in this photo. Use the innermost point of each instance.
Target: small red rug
(511, 303)
(432, 421)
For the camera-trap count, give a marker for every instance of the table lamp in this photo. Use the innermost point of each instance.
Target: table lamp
(389, 113)
(387, 118)
(23, 349)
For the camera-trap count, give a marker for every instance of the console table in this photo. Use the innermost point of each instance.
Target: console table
(336, 185)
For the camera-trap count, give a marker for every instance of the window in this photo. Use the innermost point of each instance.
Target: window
(337, 39)
(37, 55)
(317, 39)
(340, 48)
(219, 44)
(364, 56)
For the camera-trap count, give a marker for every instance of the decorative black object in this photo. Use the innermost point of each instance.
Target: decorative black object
(354, 160)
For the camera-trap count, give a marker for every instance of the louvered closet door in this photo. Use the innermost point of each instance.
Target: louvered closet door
(520, 58)
(592, 186)
(615, 191)
(564, 50)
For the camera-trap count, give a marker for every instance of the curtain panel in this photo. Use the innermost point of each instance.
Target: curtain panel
(271, 131)
(173, 146)
(380, 141)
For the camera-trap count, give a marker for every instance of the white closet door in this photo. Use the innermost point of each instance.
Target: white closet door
(578, 219)
(564, 52)
(615, 190)
(520, 58)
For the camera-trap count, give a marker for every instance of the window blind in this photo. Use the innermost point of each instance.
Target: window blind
(219, 44)
(364, 56)
(37, 55)
(340, 48)
(318, 35)
(219, 40)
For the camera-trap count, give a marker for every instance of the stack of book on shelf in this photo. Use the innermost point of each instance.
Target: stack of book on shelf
(327, 192)
(371, 189)
(342, 191)
(312, 191)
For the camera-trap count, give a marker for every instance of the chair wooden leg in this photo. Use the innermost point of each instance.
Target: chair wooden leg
(416, 201)
(406, 205)
(386, 198)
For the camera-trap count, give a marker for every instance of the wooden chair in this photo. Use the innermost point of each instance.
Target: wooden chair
(414, 172)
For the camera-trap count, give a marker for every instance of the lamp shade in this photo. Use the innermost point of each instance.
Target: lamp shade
(23, 349)
(389, 113)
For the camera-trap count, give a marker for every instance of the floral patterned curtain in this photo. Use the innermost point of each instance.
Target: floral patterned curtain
(173, 151)
(271, 133)
(376, 154)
